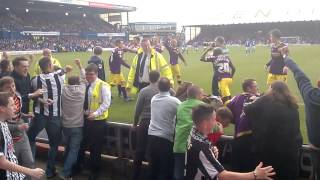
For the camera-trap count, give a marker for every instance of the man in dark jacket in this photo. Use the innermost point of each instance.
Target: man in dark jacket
(311, 98)
(96, 59)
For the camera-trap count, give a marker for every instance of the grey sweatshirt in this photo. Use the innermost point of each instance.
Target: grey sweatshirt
(72, 105)
(163, 115)
(143, 109)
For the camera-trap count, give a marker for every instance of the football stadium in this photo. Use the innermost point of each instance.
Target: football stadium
(90, 91)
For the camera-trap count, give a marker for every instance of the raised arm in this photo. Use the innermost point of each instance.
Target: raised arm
(308, 92)
(204, 57)
(182, 58)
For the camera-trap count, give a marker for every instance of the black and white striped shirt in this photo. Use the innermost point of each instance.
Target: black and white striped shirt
(201, 163)
(52, 84)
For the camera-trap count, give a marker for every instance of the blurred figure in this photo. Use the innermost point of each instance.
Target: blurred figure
(8, 161)
(73, 95)
(141, 122)
(155, 43)
(47, 53)
(242, 146)
(97, 102)
(201, 158)
(276, 130)
(97, 60)
(183, 126)
(224, 71)
(143, 63)
(5, 67)
(47, 110)
(22, 82)
(175, 54)
(116, 76)
(17, 126)
(311, 98)
(182, 90)
(161, 132)
(276, 67)
(5, 56)
(223, 116)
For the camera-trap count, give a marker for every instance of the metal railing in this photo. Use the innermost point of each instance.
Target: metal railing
(120, 142)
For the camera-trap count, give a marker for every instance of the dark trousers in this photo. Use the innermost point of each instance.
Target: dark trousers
(285, 164)
(141, 146)
(315, 156)
(160, 156)
(243, 159)
(93, 136)
(179, 166)
(53, 129)
(215, 86)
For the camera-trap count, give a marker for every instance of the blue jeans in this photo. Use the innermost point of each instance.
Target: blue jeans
(179, 166)
(53, 128)
(73, 138)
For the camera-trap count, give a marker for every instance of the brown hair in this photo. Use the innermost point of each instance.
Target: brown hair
(224, 113)
(202, 112)
(4, 99)
(4, 65)
(92, 68)
(74, 80)
(247, 83)
(280, 93)
(5, 80)
(97, 50)
(44, 63)
(181, 93)
(17, 60)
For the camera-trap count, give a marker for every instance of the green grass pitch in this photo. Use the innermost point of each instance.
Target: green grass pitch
(251, 66)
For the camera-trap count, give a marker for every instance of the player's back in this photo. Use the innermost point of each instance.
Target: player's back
(222, 66)
(115, 60)
(277, 62)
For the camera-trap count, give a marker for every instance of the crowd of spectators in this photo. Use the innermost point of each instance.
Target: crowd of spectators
(61, 44)
(36, 21)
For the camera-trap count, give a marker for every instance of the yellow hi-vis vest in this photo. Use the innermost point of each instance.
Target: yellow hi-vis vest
(157, 62)
(96, 99)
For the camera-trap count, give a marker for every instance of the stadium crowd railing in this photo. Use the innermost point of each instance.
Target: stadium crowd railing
(120, 143)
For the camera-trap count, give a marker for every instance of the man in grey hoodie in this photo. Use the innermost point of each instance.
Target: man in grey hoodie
(73, 95)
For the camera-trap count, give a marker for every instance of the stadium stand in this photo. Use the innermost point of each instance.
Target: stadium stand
(39, 21)
(35, 25)
(308, 31)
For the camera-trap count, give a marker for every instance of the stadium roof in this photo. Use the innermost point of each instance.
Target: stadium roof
(262, 15)
(75, 6)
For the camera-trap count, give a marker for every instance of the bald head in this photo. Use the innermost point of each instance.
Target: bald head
(195, 92)
(46, 52)
(164, 84)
